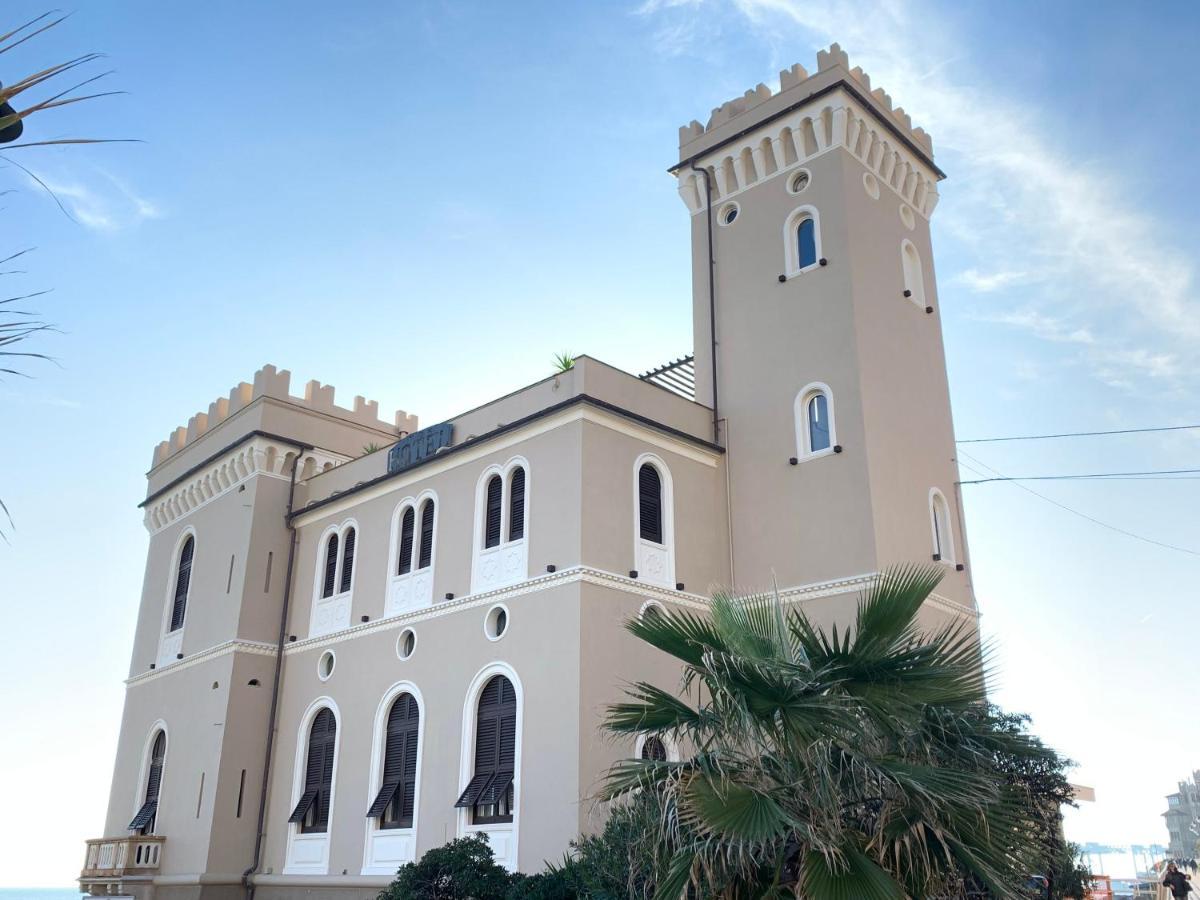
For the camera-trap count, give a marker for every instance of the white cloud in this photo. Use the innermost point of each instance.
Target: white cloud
(102, 202)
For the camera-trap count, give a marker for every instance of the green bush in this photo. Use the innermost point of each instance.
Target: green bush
(463, 869)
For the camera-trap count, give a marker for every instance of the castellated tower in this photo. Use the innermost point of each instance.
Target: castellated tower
(829, 378)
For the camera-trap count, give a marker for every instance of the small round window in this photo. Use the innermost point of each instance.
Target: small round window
(406, 643)
(871, 185)
(907, 217)
(728, 214)
(325, 665)
(496, 623)
(799, 181)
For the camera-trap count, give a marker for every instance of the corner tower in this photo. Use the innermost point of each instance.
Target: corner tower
(817, 335)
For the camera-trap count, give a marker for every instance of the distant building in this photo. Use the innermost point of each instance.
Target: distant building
(344, 659)
(1183, 818)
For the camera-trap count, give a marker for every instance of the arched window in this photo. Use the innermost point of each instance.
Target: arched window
(147, 814)
(650, 504)
(425, 557)
(312, 812)
(802, 240)
(815, 432)
(914, 277)
(495, 511)
(407, 527)
(347, 562)
(331, 561)
(516, 504)
(489, 794)
(183, 583)
(939, 522)
(654, 749)
(394, 803)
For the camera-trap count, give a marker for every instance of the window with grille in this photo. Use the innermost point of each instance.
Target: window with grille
(650, 525)
(312, 811)
(394, 804)
(183, 583)
(147, 814)
(489, 794)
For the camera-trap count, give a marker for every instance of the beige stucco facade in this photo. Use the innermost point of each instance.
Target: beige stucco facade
(258, 484)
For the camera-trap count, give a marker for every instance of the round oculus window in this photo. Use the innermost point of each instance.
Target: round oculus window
(907, 217)
(325, 665)
(728, 214)
(799, 181)
(406, 643)
(496, 623)
(871, 185)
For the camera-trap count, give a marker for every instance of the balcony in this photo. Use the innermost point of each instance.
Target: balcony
(111, 859)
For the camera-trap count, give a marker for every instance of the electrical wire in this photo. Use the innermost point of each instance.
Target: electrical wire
(1070, 434)
(1074, 512)
(1087, 476)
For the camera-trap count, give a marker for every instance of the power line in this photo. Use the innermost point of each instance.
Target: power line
(1075, 512)
(1070, 434)
(1084, 477)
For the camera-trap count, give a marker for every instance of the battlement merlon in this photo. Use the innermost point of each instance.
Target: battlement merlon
(270, 382)
(791, 124)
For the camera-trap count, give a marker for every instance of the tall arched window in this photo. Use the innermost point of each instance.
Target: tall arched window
(333, 581)
(650, 504)
(394, 804)
(347, 561)
(939, 522)
(489, 794)
(802, 240)
(407, 527)
(183, 583)
(147, 814)
(425, 557)
(914, 277)
(815, 431)
(312, 811)
(516, 504)
(331, 561)
(495, 511)
(501, 552)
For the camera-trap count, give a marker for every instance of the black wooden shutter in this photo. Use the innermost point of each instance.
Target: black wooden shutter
(654, 749)
(395, 799)
(148, 812)
(331, 556)
(406, 542)
(650, 504)
(347, 561)
(495, 489)
(426, 555)
(495, 745)
(318, 775)
(516, 505)
(183, 580)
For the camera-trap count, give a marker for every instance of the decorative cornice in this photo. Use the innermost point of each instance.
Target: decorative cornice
(254, 648)
(262, 455)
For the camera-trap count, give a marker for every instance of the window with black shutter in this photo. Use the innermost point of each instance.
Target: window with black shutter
(654, 749)
(312, 811)
(516, 504)
(347, 561)
(489, 794)
(331, 558)
(406, 541)
(491, 531)
(183, 582)
(425, 557)
(147, 814)
(650, 504)
(393, 804)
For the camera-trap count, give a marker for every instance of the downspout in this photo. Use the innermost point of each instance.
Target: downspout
(712, 299)
(260, 833)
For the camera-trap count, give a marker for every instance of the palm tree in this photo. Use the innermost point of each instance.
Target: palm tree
(827, 763)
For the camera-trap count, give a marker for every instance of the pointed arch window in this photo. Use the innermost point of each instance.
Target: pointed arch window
(394, 804)
(147, 814)
(312, 811)
(489, 794)
(183, 583)
(940, 527)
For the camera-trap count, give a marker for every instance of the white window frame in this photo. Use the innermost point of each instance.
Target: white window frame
(791, 247)
(339, 604)
(655, 563)
(503, 837)
(947, 554)
(308, 854)
(170, 643)
(508, 562)
(804, 449)
(914, 272)
(386, 849)
(139, 796)
(413, 590)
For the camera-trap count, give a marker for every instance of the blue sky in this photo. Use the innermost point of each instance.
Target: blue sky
(337, 189)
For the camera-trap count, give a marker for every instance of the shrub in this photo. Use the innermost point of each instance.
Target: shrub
(463, 869)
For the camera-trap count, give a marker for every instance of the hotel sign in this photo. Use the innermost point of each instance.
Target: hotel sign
(419, 446)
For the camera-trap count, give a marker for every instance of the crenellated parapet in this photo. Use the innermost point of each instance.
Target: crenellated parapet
(270, 382)
(738, 155)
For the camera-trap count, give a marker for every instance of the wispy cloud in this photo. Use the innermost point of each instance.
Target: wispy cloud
(1125, 307)
(98, 199)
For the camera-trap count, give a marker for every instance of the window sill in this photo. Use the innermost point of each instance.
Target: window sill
(798, 272)
(818, 455)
